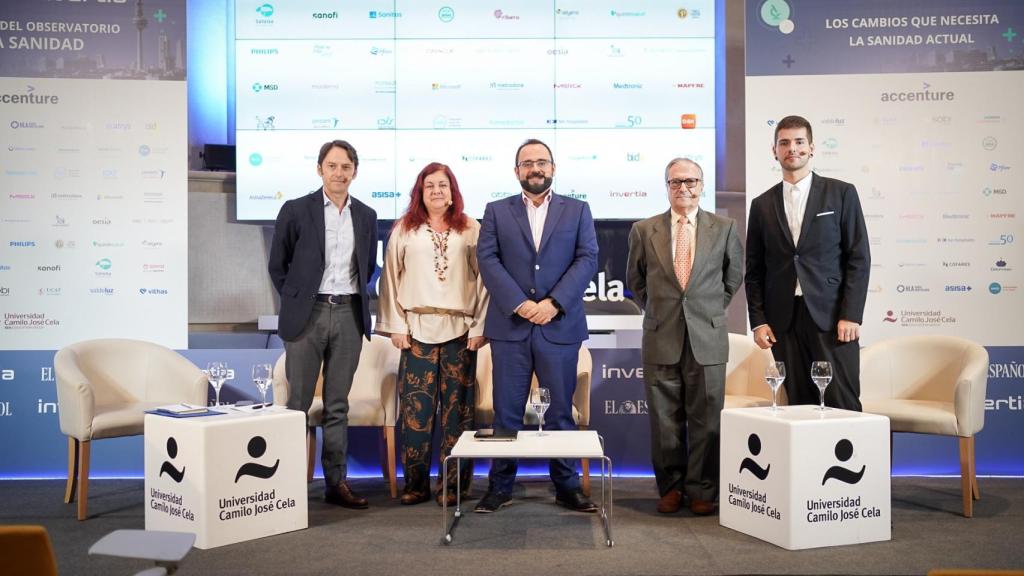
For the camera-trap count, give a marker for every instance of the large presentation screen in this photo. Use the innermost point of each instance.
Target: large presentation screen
(617, 89)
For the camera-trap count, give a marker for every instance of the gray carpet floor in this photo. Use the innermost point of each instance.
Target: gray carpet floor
(533, 536)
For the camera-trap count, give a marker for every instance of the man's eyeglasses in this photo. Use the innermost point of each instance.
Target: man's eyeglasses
(529, 164)
(676, 184)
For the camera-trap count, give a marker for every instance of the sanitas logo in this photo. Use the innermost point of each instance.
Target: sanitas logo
(374, 14)
(29, 97)
(926, 94)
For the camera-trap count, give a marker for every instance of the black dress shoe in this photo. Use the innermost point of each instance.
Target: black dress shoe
(576, 501)
(341, 494)
(492, 502)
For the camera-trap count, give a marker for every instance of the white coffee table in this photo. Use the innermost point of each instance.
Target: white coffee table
(553, 444)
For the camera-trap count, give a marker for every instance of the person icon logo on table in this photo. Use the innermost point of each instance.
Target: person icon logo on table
(172, 451)
(844, 450)
(748, 464)
(257, 448)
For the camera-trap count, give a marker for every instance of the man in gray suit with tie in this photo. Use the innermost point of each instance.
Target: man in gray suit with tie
(684, 267)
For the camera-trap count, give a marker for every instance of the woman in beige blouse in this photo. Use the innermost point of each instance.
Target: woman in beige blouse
(432, 304)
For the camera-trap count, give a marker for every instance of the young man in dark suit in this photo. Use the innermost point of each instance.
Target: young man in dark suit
(321, 259)
(808, 263)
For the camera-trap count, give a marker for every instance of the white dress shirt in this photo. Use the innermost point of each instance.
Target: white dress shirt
(340, 273)
(795, 201)
(537, 215)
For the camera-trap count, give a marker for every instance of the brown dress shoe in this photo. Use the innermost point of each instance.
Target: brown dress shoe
(413, 497)
(451, 498)
(341, 494)
(670, 502)
(702, 507)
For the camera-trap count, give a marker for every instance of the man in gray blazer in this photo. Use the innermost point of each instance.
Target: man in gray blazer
(684, 267)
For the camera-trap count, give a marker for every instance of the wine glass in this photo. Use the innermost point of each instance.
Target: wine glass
(218, 373)
(821, 374)
(540, 399)
(262, 377)
(775, 374)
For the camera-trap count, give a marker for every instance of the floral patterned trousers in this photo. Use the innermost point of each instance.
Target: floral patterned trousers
(435, 378)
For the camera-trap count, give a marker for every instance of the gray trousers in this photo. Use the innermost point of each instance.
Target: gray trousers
(685, 403)
(332, 338)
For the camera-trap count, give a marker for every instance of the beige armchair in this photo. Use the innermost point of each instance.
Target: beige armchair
(104, 388)
(372, 402)
(930, 385)
(580, 399)
(744, 375)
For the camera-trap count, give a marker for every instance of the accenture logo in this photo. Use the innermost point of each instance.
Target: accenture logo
(29, 97)
(925, 94)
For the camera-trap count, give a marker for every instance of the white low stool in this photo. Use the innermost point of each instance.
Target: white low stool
(802, 478)
(166, 549)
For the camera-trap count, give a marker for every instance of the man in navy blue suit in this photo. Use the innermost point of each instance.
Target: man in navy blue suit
(321, 259)
(537, 254)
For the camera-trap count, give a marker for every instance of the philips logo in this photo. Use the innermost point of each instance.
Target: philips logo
(263, 51)
(22, 244)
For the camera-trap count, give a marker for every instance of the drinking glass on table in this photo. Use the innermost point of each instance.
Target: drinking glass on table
(775, 374)
(821, 375)
(217, 373)
(540, 399)
(262, 377)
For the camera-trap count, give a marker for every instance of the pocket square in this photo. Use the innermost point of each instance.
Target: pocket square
(825, 213)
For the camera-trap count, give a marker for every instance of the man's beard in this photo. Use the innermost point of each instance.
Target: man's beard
(536, 188)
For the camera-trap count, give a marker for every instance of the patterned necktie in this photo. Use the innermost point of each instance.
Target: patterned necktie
(681, 262)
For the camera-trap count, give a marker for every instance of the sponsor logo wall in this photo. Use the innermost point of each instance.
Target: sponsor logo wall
(910, 104)
(93, 173)
(613, 91)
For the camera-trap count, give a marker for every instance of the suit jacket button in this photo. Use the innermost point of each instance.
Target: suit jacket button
(532, 291)
(536, 266)
(796, 257)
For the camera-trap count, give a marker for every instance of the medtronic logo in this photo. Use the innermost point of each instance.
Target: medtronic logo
(627, 85)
